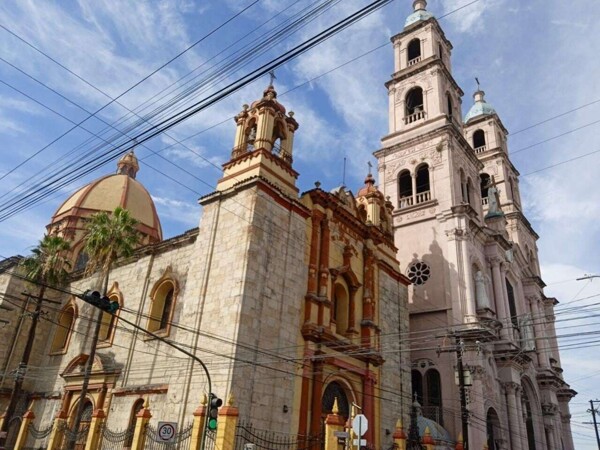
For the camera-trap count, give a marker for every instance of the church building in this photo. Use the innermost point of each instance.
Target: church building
(476, 290)
(300, 304)
(292, 301)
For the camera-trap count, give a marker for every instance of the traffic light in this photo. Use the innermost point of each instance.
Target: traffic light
(214, 403)
(103, 302)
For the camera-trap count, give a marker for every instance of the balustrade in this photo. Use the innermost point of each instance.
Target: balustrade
(414, 61)
(481, 149)
(418, 115)
(423, 196)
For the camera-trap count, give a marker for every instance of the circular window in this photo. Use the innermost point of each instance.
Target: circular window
(419, 273)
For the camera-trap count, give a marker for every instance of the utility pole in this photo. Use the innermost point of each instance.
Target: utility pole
(594, 411)
(459, 348)
(464, 412)
(22, 369)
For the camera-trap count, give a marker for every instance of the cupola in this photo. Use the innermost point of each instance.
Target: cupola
(420, 13)
(263, 144)
(480, 107)
(377, 209)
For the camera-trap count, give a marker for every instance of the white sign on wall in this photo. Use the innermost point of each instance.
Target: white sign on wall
(166, 431)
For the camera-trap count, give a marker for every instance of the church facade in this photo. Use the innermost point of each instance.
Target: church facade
(293, 300)
(476, 290)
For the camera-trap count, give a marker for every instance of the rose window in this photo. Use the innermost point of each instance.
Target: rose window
(419, 273)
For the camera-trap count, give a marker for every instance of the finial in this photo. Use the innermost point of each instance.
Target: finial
(272, 77)
(370, 165)
(317, 184)
(245, 107)
(204, 401)
(477, 81)
(147, 402)
(230, 399)
(291, 113)
(419, 5)
(335, 409)
(399, 425)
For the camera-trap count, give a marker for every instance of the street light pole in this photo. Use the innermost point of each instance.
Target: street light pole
(185, 352)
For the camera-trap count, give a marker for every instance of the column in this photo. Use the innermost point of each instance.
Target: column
(499, 300)
(470, 311)
(541, 340)
(333, 423)
(368, 404)
(522, 414)
(513, 416)
(58, 430)
(94, 433)
(24, 430)
(142, 419)
(198, 426)
(414, 187)
(228, 418)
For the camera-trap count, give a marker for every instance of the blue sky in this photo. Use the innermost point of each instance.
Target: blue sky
(535, 60)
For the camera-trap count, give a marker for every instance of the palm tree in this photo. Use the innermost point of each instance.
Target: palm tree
(47, 266)
(109, 236)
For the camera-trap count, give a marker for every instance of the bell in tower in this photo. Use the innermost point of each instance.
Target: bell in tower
(263, 144)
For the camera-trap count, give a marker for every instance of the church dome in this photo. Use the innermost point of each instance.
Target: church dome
(439, 434)
(480, 107)
(419, 14)
(110, 191)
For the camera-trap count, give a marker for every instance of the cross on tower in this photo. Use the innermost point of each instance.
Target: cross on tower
(272, 77)
(370, 165)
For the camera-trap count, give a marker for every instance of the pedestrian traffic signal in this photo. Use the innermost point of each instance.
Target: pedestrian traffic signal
(103, 302)
(214, 403)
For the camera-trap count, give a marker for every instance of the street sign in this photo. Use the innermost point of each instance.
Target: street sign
(341, 434)
(166, 431)
(360, 424)
(362, 443)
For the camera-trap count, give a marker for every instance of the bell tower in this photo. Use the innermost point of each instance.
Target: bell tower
(263, 146)
(423, 95)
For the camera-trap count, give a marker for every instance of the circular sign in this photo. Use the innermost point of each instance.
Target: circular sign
(166, 431)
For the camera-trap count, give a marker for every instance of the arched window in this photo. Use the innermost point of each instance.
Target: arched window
(423, 188)
(449, 105)
(137, 407)
(414, 102)
(492, 426)
(528, 419)
(432, 397)
(414, 51)
(163, 302)
(82, 260)
(428, 392)
(417, 385)
(484, 182)
(278, 137)
(469, 190)
(84, 425)
(463, 186)
(479, 140)
(64, 327)
(405, 190)
(250, 135)
(512, 306)
(340, 313)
